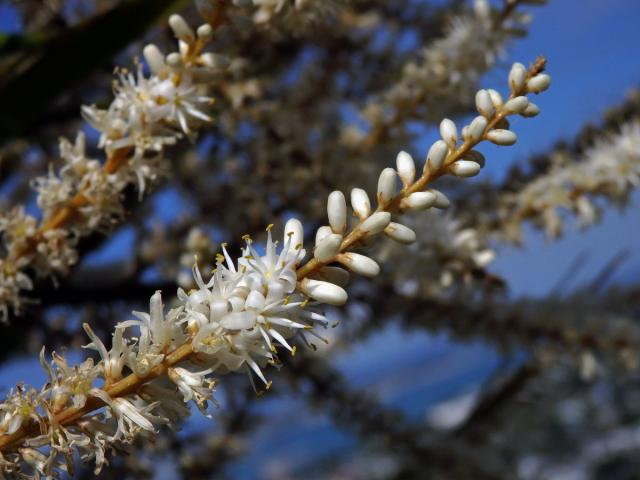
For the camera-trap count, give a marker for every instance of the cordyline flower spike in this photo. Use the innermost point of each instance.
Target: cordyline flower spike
(267, 300)
(148, 114)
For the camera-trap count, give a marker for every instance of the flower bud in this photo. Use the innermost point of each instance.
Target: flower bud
(419, 201)
(442, 201)
(293, 229)
(322, 233)
(327, 248)
(476, 129)
(464, 168)
(400, 233)
(181, 28)
(359, 264)
(502, 137)
(386, 185)
(406, 168)
(449, 132)
(337, 211)
(205, 32)
(174, 60)
(336, 275)
(215, 60)
(531, 111)
(484, 257)
(376, 223)
(323, 292)
(436, 155)
(465, 133)
(539, 83)
(517, 77)
(360, 203)
(484, 104)
(516, 105)
(474, 156)
(496, 98)
(155, 59)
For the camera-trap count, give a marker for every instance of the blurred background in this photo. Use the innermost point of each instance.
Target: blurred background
(447, 366)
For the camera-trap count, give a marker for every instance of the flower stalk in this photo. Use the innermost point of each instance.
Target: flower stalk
(237, 320)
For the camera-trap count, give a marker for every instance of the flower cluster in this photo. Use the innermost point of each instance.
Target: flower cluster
(238, 319)
(444, 255)
(609, 169)
(233, 322)
(450, 67)
(307, 11)
(147, 114)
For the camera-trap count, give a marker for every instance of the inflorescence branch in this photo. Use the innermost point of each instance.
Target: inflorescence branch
(148, 114)
(236, 320)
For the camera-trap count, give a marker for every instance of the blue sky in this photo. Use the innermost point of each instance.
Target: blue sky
(590, 45)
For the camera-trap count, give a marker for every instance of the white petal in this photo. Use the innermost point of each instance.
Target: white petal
(238, 320)
(255, 301)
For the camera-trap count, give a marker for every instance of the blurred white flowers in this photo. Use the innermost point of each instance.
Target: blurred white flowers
(147, 114)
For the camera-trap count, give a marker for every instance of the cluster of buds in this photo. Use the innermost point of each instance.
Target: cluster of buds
(233, 322)
(451, 66)
(307, 11)
(449, 155)
(446, 255)
(609, 169)
(147, 114)
(238, 319)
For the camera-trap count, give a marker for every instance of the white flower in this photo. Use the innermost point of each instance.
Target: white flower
(131, 417)
(158, 335)
(113, 361)
(244, 311)
(19, 407)
(193, 385)
(67, 381)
